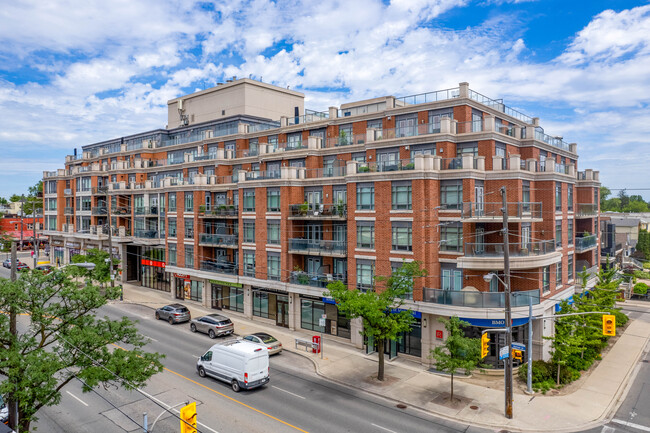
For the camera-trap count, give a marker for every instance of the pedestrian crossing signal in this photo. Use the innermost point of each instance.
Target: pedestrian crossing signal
(609, 325)
(485, 350)
(517, 354)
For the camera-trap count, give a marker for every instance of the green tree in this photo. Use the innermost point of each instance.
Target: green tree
(61, 339)
(604, 194)
(613, 204)
(636, 206)
(34, 199)
(102, 271)
(381, 311)
(14, 198)
(458, 353)
(3, 201)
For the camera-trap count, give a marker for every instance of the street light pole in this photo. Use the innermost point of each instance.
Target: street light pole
(506, 270)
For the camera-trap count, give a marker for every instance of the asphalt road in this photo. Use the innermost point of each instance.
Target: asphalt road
(296, 399)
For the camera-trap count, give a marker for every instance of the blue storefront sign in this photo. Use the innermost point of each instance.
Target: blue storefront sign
(570, 300)
(416, 314)
(494, 323)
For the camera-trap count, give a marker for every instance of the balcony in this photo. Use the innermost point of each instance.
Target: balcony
(479, 299)
(67, 191)
(221, 211)
(146, 234)
(263, 175)
(99, 211)
(586, 243)
(219, 240)
(306, 211)
(492, 212)
(384, 166)
(68, 210)
(586, 210)
(220, 267)
(146, 210)
(490, 255)
(101, 190)
(318, 247)
(121, 210)
(316, 280)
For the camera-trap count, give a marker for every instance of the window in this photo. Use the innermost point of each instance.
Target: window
(451, 237)
(310, 313)
(365, 196)
(272, 141)
(345, 135)
(558, 233)
(525, 195)
(273, 232)
(189, 256)
(401, 196)
(558, 197)
(365, 234)
(570, 231)
(402, 236)
(249, 263)
(359, 157)
(294, 141)
(249, 230)
(569, 197)
(172, 202)
(570, 269)
(260, 304)
(189, 228)
(452, 279)
(273, 266)
(273, 200)
(451, 194)
(249, 200)
(546, 278)
(558, 274)
(189, 202)
(172, 227)
(394, 266)
(365, 274)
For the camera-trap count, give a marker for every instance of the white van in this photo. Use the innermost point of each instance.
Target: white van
(240, 363)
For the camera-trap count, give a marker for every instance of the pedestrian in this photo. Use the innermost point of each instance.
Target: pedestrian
(32, 254)
(58, 262)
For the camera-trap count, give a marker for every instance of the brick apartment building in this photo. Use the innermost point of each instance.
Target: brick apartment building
(248, 202)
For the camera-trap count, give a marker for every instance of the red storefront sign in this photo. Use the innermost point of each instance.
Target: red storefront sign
(438, 334)
(183, 276)
(155, 263)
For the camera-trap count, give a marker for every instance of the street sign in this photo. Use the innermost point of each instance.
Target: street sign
(518, 346)
(321, 322)
(323, 316)
(504, 352)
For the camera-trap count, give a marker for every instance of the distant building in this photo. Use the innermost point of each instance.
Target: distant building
(11, 225)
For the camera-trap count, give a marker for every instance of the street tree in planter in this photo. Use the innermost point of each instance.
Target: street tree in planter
(60, 339)
(381, 311)
(458, 353)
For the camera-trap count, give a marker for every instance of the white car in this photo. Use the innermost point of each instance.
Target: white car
(265, 340)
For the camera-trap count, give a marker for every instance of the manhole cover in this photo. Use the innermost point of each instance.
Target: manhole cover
(504, 431)
(644, 360)
(474, 407)
(401, 406)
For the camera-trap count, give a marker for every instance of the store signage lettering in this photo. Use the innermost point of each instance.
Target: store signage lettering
(183, 276)
(226, 283)
(155, 263)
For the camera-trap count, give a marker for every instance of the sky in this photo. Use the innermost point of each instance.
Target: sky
(76, 72)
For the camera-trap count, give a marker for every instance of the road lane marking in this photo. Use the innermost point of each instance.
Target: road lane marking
(229, 398)
(288, 392)
(631, 424)
(77, 398)
(146, 336)
(383, 428)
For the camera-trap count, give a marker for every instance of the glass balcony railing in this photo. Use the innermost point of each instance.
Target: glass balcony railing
(479, 299)
(218, 211)
(537, 248)
(262, 175)
(315, 280)
(221, 267)
(384, 166)
(481, 210)
(68, 210)
(585, 243)
(219, 239)
(146, 234)
(310, 246)
(322, 211)
(146, 210)
(586, 209)
(99, 211)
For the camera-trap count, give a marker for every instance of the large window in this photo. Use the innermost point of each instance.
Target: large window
(189, 202)
(558, 197)
(451, 237)
(558, 233)
(451, 194)
(171, 250)
(261, 304)
(402, 236)
(273, 200)
(401, 197)
(558, 273)
(452, 279)
(189, 228)
(171, 227)
(249, 263)
(570, 269)
(546, 278)
(570, 231)
(189, 256)
(569, 197)
(273, 232)
(172, 202)
(310, 313)
(365, 234)
(249, 200)
(365, 196)
(365, 274)
(394, 266)
(249, 230)
(273, 266)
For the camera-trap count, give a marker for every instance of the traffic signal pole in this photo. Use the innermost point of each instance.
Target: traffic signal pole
(506, 270)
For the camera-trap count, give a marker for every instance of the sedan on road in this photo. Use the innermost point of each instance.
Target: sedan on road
(213, 324)
(265, 340)
(173, 313)
(20, 265)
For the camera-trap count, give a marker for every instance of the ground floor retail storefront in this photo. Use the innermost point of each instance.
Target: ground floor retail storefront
(312, 309)
(227, 296)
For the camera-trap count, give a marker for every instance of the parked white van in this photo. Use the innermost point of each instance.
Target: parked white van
(240, 363)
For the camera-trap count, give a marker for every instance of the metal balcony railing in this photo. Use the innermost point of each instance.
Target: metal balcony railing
(479, 299)
(146, 234)
(315, 280)
(68, 210)
(210, 239)
(146, 210)
(537, 248)
(99, 210)
(383, 166)
(218, 211)
(481, 210)
(309, 246)
(221, 267)
(322, 211)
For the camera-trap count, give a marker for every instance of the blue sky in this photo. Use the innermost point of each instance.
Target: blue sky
(78, 72)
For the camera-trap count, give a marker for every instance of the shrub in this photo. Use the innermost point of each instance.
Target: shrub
(641, 289)
(642, 274)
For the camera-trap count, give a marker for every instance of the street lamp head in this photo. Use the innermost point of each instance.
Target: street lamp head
(488, 277)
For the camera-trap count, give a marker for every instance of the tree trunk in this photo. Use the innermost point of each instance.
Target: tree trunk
(452, 387)
(558, 374)
(380, 352)
(23, 422)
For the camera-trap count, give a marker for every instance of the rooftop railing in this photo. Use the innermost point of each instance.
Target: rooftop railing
(553, 141)
(498, 105)
(479, 299)
(309, 116)
(424, 98)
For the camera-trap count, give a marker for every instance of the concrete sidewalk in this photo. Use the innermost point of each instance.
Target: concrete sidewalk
(410, 383)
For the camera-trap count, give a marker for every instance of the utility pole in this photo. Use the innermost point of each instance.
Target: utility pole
(110, 244)
(506, 270)
(34, 232)
(22, 213)
(13, 330)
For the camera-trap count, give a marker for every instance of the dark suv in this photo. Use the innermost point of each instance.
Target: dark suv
(174, 313)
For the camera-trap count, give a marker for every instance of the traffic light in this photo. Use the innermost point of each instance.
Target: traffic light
(517, 354)
(485, 350)
(188, 416)
(609, 325)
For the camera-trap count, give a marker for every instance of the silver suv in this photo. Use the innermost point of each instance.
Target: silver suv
(213, 324)
(174, 313)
